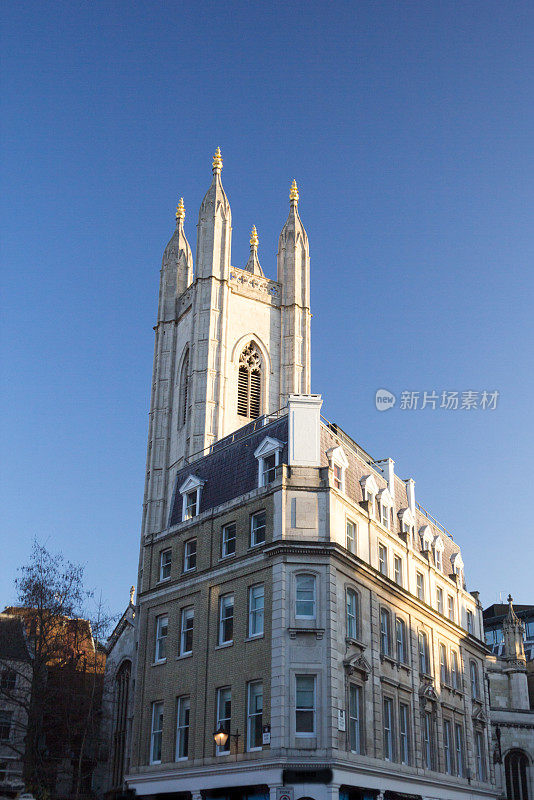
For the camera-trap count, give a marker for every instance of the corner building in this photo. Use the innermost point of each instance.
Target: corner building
(293, 597)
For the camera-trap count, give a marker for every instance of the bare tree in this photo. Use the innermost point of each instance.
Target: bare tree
(58, 691)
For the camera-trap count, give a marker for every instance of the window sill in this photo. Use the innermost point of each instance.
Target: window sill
(188, 571)
(184, 655)
(158, 664)
(163, 580)
(253, 638)
(182, 758)
(254, 749)
(223, 646)
(257, 544)
(226, 557)
(356, 642)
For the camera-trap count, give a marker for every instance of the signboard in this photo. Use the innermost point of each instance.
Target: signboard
(286, 793)
(307, 775)
(266, 734)
(341, 726)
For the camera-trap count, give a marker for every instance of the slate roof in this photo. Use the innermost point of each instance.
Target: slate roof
(12, 641)
(230, 470)
(359, 467)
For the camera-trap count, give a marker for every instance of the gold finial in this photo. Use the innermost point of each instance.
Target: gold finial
(180, 210)
(132, 594)
(294, 192)
(254, 238)
(217, 161)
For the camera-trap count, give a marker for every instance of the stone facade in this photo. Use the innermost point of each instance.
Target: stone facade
(350, 616)
(512, 714)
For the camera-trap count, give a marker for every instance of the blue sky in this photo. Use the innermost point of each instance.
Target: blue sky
(409, 128)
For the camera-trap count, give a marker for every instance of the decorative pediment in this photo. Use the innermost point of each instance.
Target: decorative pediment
(427, 692)
(358, 664)
(191, 483)
(369, 485)
(406, 517)
(384, 497)
(427, 537)
(479, 716)
(457, 561)
(337, 455)
(267, 447)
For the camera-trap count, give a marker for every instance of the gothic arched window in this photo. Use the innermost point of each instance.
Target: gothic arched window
(184, 390)
(120, 722)
(249, 382)
(516, 770)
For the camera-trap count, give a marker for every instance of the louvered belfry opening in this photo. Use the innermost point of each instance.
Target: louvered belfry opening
(249, 383)
(184, 389)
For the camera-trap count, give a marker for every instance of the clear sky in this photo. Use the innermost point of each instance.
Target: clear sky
(409, 127)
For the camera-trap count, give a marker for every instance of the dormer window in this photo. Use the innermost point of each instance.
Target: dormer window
(369, 491)
(438, 548)
(338, 464)
(191, 490)
(406, 521)
(268, 455)
(427, 537)
(385, 501)
(458, 567)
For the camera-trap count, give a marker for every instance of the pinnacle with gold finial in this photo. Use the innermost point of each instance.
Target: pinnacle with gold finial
(180, 210)
(294, 192)
(217, 161)
(254, 238)
(132, 594)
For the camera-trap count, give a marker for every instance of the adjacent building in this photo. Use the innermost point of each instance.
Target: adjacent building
(512, 712)
(304, 628)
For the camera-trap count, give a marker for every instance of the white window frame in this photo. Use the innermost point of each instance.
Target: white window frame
(191, 488)
(157, 715)
(451, 608)
(251, 715)
(423, 653)
(438, 548)
(459, 747)
(385, 631)
(397, 570)
(161, 640)
(420, 586)
(480, 756)
(269, 447)
(388, 729)
(351, 541)
(226, 539)
(470, 621)
(404, 733)
(256, 613)
(369, 492)
(183, 706)
(401, 642)
(439, 600)
(382, 550)
(337, 458)
(355, 718)
(187, 615)
(386, 503)
(447, 746)
(223, 619)
(352, 615)
(165, 564)
(254, 542)
(189, 554)
(427, 537)
(444, 674)
(306, 709)
(313, 601)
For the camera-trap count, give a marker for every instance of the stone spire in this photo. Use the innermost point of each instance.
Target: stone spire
(253, 265)
(214, 228)
(294, 275)
(176, 266)
(513, 632)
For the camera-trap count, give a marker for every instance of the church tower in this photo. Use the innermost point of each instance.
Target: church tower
(231, 344)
